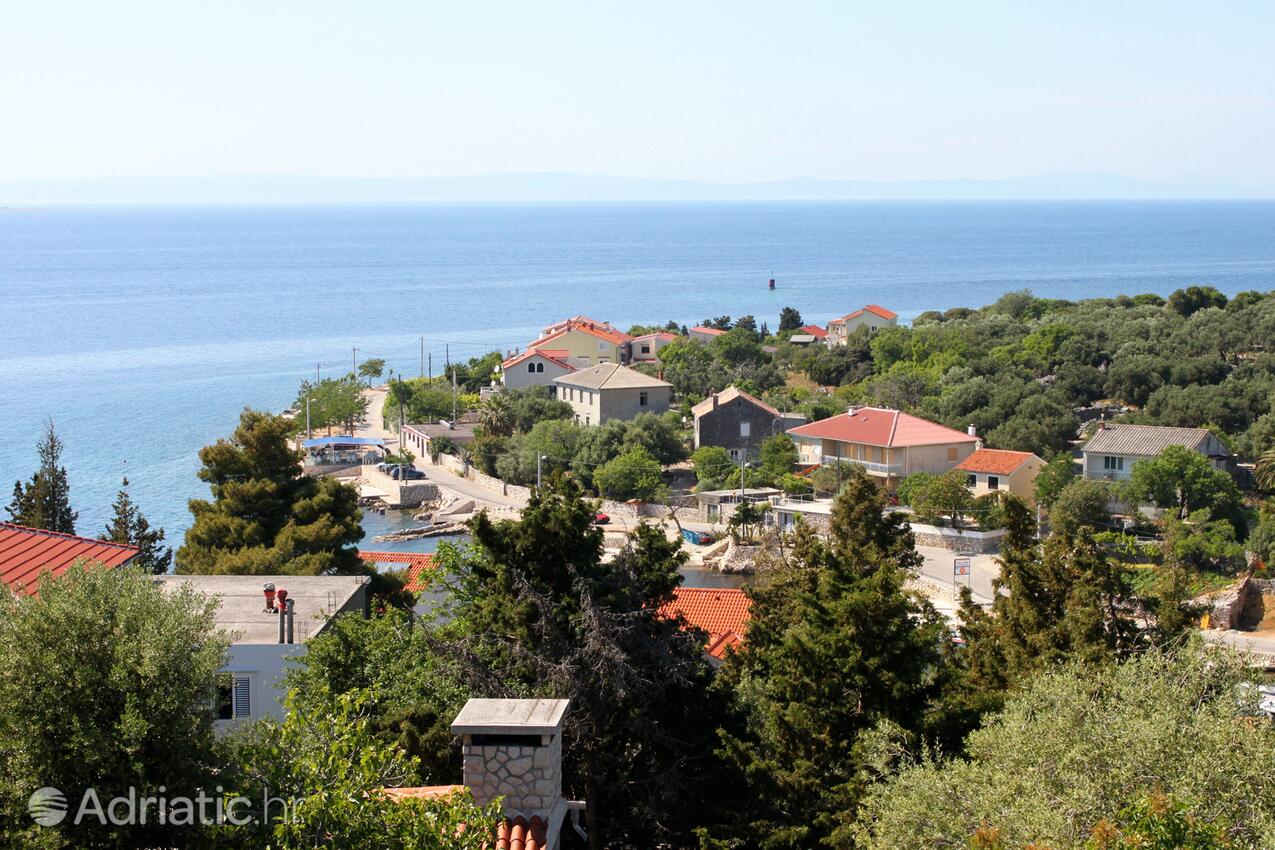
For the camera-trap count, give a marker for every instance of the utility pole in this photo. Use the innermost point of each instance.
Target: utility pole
(453, 396)
(539, 457)
(307, 416)
(422, 357)
(431, 366)
(354, 357)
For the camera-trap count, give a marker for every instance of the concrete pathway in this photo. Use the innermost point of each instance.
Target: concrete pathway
(938, 569)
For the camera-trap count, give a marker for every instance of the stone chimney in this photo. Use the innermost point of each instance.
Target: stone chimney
(513, 749)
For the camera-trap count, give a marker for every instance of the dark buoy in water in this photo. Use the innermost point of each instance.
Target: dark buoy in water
(772, 283)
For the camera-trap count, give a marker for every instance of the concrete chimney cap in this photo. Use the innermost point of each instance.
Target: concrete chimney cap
(511, 717)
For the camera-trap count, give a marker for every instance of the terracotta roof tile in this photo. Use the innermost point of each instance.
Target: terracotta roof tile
(586, 326)
(871, 308)
(557, 355)
(522, 834)
(28, 553)
(879, 426)
(417, 563)
(995, 461)
(814, 330)
(720, 611)
(709, 331)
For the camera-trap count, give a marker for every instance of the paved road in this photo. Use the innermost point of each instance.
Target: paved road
(1261, 644)
(983, 569)
(462, 487)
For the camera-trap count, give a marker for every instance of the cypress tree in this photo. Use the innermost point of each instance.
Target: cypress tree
(45, 501)
(129, 526)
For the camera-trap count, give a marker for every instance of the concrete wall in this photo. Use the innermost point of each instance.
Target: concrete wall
(264, 665)
(936, 459)
(1021, 482)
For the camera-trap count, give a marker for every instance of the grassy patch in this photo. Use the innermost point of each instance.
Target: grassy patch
(1144, 576)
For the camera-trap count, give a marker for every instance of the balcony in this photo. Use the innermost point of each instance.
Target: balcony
(885, 469)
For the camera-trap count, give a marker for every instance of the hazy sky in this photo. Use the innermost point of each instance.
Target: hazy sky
(732, 91)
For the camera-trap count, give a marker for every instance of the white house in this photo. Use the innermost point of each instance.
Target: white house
(266, 634)
(873, 317)
(534, 367)
(646, 348)
(1116, 446)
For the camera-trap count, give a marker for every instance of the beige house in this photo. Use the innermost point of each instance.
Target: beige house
(998, 470)
(611, 391)
(889, 444)
(872, 317)
(586, 339)
(646, 348)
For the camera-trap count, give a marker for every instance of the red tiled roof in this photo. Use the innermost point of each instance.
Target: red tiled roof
(557, 355)
(720, 611)
(28, 553)
(814, 330)
(417, 563)
(871, 308)
(664, 335)
(995, 461)
(522, 834)
(709, 331)
(879, 426)
(587, 326)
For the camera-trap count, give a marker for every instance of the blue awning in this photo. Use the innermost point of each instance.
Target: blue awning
(323, 442)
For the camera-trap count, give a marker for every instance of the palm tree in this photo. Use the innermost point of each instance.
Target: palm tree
(401, 392)
(497, 415)
(1265, 471)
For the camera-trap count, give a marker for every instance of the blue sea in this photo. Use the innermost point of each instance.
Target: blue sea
(142, 332)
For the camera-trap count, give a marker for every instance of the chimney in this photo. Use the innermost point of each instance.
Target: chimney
(972, 431)
(1102, 424)
(281, 605)
(852, 410)
(291, 605)
(513, 750)
(714, 401)
(268, 590)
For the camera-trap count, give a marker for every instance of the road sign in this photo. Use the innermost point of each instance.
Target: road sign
(960, 566)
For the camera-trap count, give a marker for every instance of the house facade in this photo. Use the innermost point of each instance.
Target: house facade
(534, 367)
(888, 444)
(611, 391)
(268, 632)
(646, 348)
(1116, 446)
(873, 317)
(1000, 471)
(586, 339)
(703, 334)
(739, 422)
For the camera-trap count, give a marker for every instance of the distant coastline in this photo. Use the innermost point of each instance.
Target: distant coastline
(561, 187)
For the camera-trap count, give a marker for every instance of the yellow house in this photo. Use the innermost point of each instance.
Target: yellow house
(586, 339)
(998, 470)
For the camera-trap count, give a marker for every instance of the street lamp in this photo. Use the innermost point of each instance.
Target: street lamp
(307, 416)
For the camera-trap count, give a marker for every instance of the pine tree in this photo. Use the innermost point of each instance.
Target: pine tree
(45, 501)
(265, 517)
(129, 526)
(837, 651)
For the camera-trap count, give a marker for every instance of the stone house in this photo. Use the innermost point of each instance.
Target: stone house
(739, 422)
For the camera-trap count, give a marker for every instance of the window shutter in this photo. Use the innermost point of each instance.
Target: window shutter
(242, 697)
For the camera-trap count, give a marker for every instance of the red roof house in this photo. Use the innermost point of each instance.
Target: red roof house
(887, 443)
(720, 611)
(814, 330)
(27, 554)
(417, 564)
(993, 470)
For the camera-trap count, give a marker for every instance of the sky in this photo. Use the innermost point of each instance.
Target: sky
(718, 91)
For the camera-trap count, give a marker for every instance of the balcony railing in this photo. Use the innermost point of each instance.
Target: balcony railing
(869, 466)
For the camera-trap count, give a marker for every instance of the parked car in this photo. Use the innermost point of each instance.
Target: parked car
(405, 473)
(600, 518)
(699, 538)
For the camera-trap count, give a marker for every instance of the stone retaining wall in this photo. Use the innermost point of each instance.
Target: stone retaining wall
(963, 542)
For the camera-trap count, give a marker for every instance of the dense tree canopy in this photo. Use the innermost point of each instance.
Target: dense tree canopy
(128, 525)
(265, 517)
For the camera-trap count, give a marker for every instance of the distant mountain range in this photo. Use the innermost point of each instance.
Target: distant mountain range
(567, 187)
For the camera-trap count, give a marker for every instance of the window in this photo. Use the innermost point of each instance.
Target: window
(234, 697)
(646, 349)
(745, 429)
(602, 346)
(951, 452)
(971, 480)
(1112, 464)
(540, 367)
(531, 367)
(993, 482)
(642, 399)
